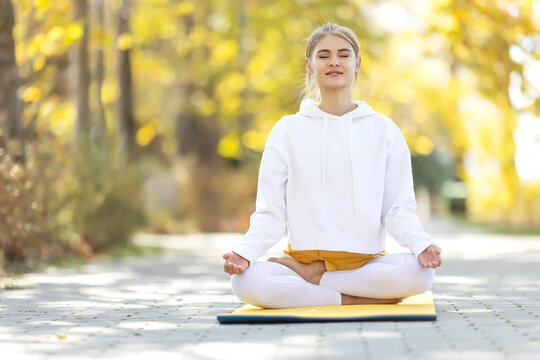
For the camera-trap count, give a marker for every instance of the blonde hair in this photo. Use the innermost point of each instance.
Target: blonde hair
(310, 88)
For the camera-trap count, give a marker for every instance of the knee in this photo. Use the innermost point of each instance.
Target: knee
(243, 283)
(247, 285)
(420, 278)
(423, 278)
(261, 285)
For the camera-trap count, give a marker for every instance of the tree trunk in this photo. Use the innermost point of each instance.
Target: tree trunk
(243, 61)
(10, 106)
(100, 125)
(186, 122)
(125, 106)
(199, 135)
(82, 80)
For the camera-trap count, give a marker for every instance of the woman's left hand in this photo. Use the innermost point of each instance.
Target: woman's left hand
(431, 257)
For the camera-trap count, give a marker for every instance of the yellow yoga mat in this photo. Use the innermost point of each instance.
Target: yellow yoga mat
(418, 307)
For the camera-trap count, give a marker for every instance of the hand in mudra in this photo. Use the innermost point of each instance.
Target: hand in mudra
(234, 263)
(431, 257)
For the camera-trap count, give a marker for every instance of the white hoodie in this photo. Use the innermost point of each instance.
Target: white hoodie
(337, 183)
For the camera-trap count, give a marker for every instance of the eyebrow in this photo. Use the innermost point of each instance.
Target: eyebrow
(326, 50)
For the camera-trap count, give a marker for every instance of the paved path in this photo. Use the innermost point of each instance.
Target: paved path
(487, 296)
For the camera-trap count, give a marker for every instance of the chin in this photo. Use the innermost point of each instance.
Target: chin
(333, 87)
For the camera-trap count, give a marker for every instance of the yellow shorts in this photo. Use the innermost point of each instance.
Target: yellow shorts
(334, 260)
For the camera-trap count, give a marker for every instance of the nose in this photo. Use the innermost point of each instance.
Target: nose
(334, 60)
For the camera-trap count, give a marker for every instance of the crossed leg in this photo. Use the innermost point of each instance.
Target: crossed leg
(272, 285)
(283, 284)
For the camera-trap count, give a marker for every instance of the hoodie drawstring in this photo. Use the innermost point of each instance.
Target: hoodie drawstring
(351, 155)
(309, 109)
(324, 149)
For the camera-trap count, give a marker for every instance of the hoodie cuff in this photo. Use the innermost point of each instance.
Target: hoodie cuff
(246, 251)
(420, 245)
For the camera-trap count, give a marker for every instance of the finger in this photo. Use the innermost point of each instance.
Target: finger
(226, 255)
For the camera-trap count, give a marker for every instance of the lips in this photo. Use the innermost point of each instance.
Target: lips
(334, 73)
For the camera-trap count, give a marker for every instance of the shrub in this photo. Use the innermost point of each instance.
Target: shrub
(56, 205)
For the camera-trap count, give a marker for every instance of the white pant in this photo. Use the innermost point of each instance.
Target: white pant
(272, 285)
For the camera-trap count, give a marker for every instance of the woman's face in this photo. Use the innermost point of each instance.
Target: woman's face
(333, 63)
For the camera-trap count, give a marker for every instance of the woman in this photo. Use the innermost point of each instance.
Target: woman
(337, 175)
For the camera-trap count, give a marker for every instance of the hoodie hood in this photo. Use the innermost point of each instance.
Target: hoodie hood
(309, 109)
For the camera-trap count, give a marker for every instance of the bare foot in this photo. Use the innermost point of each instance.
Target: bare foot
(310, 272)
(356, 300)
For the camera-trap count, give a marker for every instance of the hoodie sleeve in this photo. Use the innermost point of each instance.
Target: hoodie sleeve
(268, 222)
(399, 204)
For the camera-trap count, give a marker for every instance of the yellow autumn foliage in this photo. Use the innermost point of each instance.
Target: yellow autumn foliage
(254, 140)
(229, 146)
(124, 41)
(230, 70)
(223, 51)
(31, 94)
(145, 134)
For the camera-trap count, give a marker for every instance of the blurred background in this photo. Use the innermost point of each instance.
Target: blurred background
(125, 116)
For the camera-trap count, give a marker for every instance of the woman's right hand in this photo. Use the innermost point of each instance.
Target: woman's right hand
(234, 263)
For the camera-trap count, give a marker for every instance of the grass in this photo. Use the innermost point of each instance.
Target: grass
(131, 251)
(8, 285)
(12, 283)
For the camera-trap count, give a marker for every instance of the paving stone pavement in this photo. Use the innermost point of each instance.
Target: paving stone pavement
(487, 295)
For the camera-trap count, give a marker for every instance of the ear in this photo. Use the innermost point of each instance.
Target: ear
(358, 63)
(308, 65)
